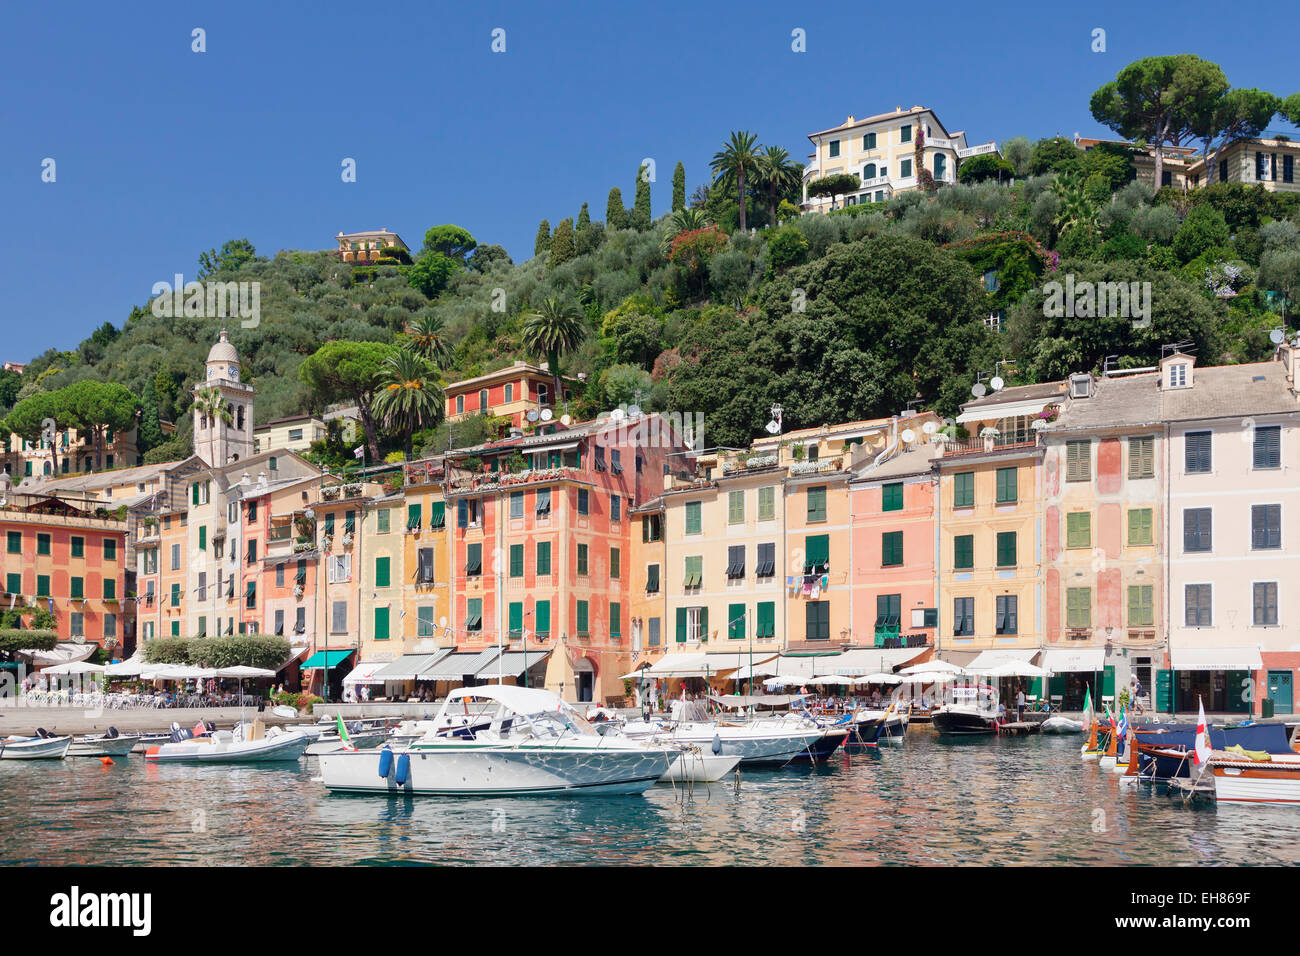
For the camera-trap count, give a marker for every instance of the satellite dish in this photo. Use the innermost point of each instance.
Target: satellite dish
(978, 389)
(1276, 336)
(634, 411)
(996, 382)
(772, 427)
(564, 420)
(617, 414)
(930, 428)
(547, 414)
(532, 415)
(909, 436)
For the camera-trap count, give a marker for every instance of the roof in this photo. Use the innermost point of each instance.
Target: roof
(1016, 393)
(373, 232)
(842, 430)
(880, 117)
(506, 374)
(223, 351)
(1115, 403)
(289, 418)
(910, 461)
(1230, 391)
(107, 479)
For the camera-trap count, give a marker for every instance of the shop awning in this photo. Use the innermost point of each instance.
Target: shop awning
(677, 665)
(803, 668)
(513, 663)
(326, 660)
(1216, 659)
(705, 665)
(408, 666)
(458, 666)
(987, 660)
(1064, 660)
(858, 661)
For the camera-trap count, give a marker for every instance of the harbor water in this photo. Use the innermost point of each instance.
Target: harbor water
(927, 803)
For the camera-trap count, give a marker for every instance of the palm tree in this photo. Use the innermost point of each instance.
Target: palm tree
(683, 220)
(426, 338)
(553, 327)
(1076, 208)
(408, 398)
(212, 405)
(735, 162)
(777, 173)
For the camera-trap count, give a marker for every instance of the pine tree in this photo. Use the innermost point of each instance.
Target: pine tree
(561, 244)
(641, 205)
(543, 241)
(679, 187)
(615, 213)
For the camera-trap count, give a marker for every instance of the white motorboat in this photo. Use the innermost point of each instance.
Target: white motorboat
(245, 744)
(533, 744)
(328, 743)
(764, 741)
(697, 766)
(110, 744)
(34, 748)
(1062, 725)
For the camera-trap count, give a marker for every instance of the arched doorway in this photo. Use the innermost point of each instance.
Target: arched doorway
(584, 680)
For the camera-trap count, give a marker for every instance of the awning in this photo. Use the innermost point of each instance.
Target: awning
(364, 673)
(61, 654)
(868, 660)
(1063, 660)
(987, 660)
(455, 667)
(326, 660)
(670, 664)
(705, 665)
(1009, 410)
(802, 668)
(1216, 659)
(513, 663)
(408, 666)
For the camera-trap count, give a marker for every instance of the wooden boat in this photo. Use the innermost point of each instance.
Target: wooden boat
(43, 747)
(1241, 777)
(1163, 751)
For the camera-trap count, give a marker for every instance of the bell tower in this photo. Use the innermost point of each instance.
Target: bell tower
(217, 441)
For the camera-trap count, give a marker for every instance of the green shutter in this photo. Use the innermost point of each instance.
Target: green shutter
(735, 622)
(891, 497)
(582, 559)
(203, 537)
(542, 617)
(681, 625)
(1007, 485)
(79, 547)
(582, 624)
(42, 585)
(381, 520)
(381, 572)
(1141, 612)
(110, 589)
(543, 557)
(15, 542)
(735, 507)
(817, 552)
(381, 623)
(615, 619)
(1078, 529)
(704, 623)
(42, 544)
(438, 514)
(963, 552)
(693, 525)
(1006, 549)
(78, 588)
(963, 494)
(615, 563)
(766, 503)
(14, 583)
(1139, 526)
(412, 517)
(766, 619)
(891, 549)
(516, 560)
(817, 504)
(516, 618)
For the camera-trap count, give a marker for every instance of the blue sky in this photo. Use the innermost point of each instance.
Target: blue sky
(162, 153)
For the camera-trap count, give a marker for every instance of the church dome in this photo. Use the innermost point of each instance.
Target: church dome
(223, 352)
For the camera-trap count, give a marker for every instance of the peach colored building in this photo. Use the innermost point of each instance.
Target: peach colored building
(510, 392)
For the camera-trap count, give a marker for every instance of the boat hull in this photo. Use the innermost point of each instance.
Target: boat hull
(1257, 782)
(821, 751)
(284, 748)
(361, 741)
(950, 723)
(471, 771)
(35, 748)
(699, 768)
(753, 748)
(102, 746)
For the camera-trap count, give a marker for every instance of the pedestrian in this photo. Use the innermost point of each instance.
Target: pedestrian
(1020, 703)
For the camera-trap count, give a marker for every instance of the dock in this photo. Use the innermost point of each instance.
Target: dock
(1020, 728)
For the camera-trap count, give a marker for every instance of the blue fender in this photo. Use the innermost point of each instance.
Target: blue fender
(385, 762)
(403, 769)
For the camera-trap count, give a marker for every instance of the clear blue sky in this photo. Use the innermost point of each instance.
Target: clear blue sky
(162, 152)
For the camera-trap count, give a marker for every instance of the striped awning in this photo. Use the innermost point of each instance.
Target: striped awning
(409, 666)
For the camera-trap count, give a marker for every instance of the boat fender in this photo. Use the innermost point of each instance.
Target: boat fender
(385, 762)
(106, 761)
(403, 769)
(717, 744)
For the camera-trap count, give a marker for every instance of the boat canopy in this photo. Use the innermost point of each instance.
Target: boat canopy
(522, 700)
(757, 700)
(1215, 659)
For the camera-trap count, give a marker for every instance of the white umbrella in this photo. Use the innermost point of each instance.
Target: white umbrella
(931, 677)
(241, 671)
(75, 667)
(128, 668)
(933, 666)
(879, 679)
(830, 680)
(781, 681)
(1017, 669)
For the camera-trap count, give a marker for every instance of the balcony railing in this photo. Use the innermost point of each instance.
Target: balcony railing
(975, 446)
(979, 150)
(493, 480)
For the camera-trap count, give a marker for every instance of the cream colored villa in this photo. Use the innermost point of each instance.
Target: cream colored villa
(881, 151)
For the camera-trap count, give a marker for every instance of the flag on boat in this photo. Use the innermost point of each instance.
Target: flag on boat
(1203, 748)
(1087, 707)
(343, 734)
(1123, 723)
(200, 729)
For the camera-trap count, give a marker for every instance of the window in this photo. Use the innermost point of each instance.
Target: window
(42, 544)
(14, 542)
(891, 549)
(1197, 529)
(252, 551)
(1141, 609)
(615, 508)
(542, 618)
(1197, 458)
(584, 503)
(1268, 446)
(765, 561)
(203, 537)
(991, 280)
(176, 557)
(1005, 608)
(735, 622)
(583, 626)
(1078, 607)
(735, 507)
(817, 554)
(250, 596)
(765, 623)
(1141, 457)
(735, 561)
(1288, 169)
(203, 585)
(176, 595)
(1260, 166)
(340, 568)
(13, 583)
(692, 624)
(651, 528)
(905, 133)
(1198, 605)
(413, 517)
(483, 400)
(382, 572)
(543, 502)
(473, 560)
(963, 617)
(78, 547)
(516, 504)
(905, 169)
(1078, 529)
(582, 559)
(1078, 460)
(252, 511)
(963, 552)
(834, 147)
(515, 619)
(652, 579)
(381, 623)
(437, 514)
(110, 625)
(474, 614)
(889, 613)
(1265, 527)
(817, 503)
(279, 575)
(891, 497)
(1006, 480)
(963, 489)
(694, 575)
(382, 520)
(110, 549)
(868, 141)
(516, 560)
(77, 622)
(510, 392)
(1265, 601)
(1140, 531)
(817, 620)
(77, 588)
(151, 561)
(424, 566)
(1006, 549)
(766, 503)
(543, 557)
(940, 166)
(424, 620)
(693, 522)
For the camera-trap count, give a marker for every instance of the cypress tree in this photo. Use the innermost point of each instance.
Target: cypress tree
(584, 217)
(561, 244)
(679, 187)
(615, 214)
(641, 205)
(543, 241)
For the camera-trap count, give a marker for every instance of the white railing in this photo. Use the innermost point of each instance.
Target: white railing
(977, 150)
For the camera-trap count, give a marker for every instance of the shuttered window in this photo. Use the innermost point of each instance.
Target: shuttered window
(382, 572)
(736, 507)
(1265, 603)
(735, 561)
(582, 559)
(1006, 609)
(1140, 531)
(438, 514)
(652, 579)
(766, 624)
(1268, 447)
(963, 616)
(1141, 457)
(693, 522)
(1007, 485)
(424, 620)
(78, 586)
(735, 622)
(963, 552)
(1197, 457)
(694, 576)
(474, 614)
(516, 504)
(963, 490)
(889, 613)
(1141, 610)
(615, 563)
(1078, 529)
(891, 497)
(543, 502)
(542, 618)
(1265, 527)
(817, 553)
(381, 623)
(891, 549)
(765, 564)
(413, 519)
(1078, 460)
(1197, 529)
(766, 503)
(515, 619)
(681, 625)
(817, 620)
(1006, 549)
(1198, 605)
(1078, 607)
(817, 503)
(583, 626)
(424, 566)
(474, 560)
(615, 619)
(651, 528)
(543, 557)
(516, 560)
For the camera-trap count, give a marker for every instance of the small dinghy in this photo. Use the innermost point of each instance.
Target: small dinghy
(694, 766)
(247, 744)
(109, 744)
(1062, 725)
(44, 746)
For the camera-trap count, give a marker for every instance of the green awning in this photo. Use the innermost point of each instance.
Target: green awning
(326, 660)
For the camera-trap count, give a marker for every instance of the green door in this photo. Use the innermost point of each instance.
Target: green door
(1238, 692)
(1108, 682)
(1279, 688)
(1165, 692)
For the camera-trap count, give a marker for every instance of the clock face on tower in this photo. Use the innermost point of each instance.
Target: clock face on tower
(234, 374)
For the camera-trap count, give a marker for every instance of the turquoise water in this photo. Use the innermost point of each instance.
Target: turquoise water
(1001, 801)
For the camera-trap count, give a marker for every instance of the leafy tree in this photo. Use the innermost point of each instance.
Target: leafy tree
(542, 244)
(834, 185)
(986, 166)
(1234, 115)
(452, 241)
(98, 408)
(615, 212)
(348, 371)
(1055, 155)
(552, 329)
(1018, 151)
(432, 273)
(408, 398)
(28, 418)
(150, 434)
(485, 257)
(1204, 228)
(736, 162)
(562, 246)
(13, 640)
(786, 247)
(233, 255)
(10, 382)
(624, 384)
(1159, 99)
(679, 187)
(641, 204)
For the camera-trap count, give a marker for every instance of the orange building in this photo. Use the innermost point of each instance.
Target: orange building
(510, 392)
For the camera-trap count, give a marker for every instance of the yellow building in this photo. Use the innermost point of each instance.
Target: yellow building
(881, 151)
(365, 246)
(70, 453)
(1267, 162)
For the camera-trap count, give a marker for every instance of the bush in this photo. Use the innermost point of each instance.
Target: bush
(232, 650)
(788, 247)
(167, 650)
(22, 639)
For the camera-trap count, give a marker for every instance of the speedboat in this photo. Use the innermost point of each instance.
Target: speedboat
(772, 741)
(109, 744)
(247, 743)
(533, 744)
(964, 720)
(44, 746)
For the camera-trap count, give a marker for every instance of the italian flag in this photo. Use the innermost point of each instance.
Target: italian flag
(343, 734)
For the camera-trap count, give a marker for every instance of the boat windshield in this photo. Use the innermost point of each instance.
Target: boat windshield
(556, 723)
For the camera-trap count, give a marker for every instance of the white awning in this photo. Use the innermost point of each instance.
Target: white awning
(406, 667)
(858, 661)
(455, 667)
(987, 660)
(513, 663)
(1009, 410)
(805, 668)
(677, 665)
(1064, 660)
(364, 673)
(1216, 659)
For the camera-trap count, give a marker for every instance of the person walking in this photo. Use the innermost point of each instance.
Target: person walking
(1020, 703)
